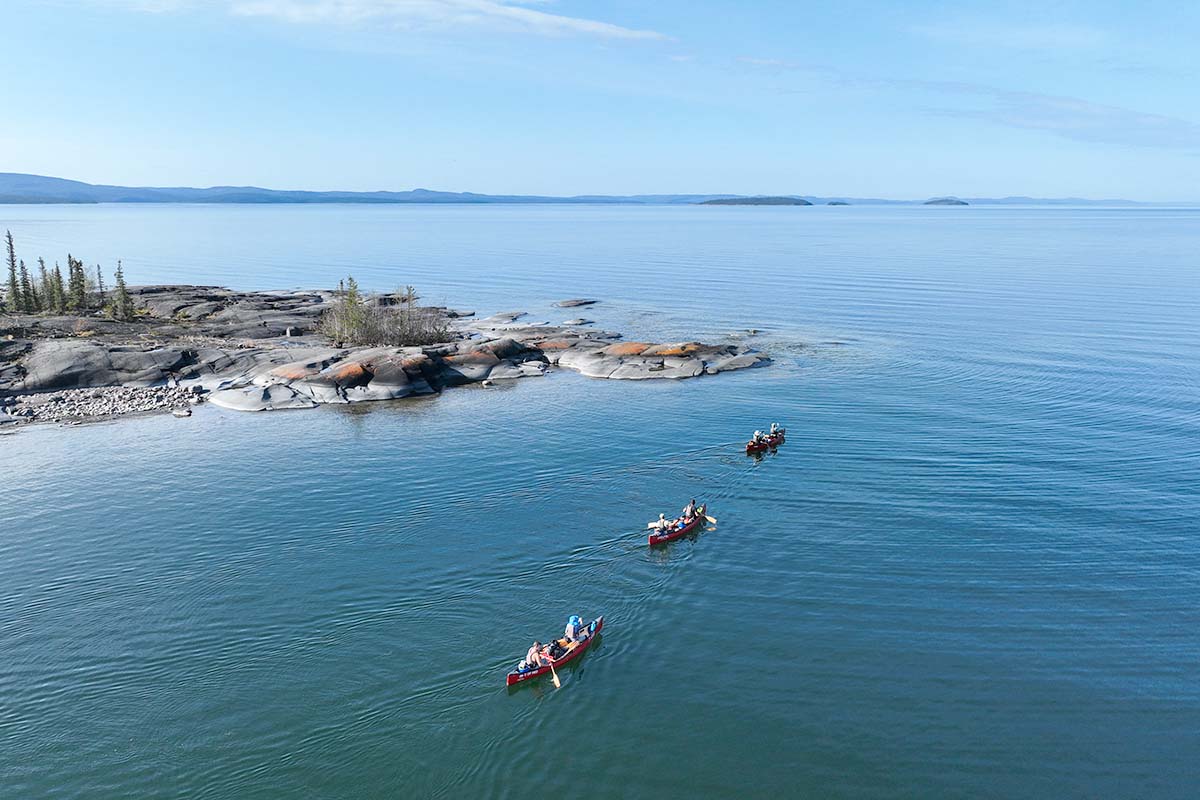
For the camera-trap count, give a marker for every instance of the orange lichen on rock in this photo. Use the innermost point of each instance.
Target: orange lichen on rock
(625, 349)
(416, 363)
(472, 357)
(292, 372)
(349, 372)
(676, 349)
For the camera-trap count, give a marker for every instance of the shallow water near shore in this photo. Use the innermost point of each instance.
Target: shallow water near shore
(972, 570)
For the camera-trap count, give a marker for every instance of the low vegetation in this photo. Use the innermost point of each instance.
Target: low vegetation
(383, 319)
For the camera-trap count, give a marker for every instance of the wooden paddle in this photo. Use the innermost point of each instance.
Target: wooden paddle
(554, 675)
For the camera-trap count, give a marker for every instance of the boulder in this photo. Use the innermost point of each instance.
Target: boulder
(261, 398)
(468, 367)
(332, 384)
(503, 348)
(575, 303)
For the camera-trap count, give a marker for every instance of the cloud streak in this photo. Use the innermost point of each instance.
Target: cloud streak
(1014, 37)
(504, 15)
(1067, 117)
(1081, 120)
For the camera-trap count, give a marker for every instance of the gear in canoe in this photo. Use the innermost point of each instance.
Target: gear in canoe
(542, 659)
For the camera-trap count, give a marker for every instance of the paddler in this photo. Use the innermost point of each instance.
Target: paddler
(689, 511)
(534, 658)
(663, 523)
(775, 429)
(574, 631)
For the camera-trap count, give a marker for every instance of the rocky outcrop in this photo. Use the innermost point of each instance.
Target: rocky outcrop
(257, 351)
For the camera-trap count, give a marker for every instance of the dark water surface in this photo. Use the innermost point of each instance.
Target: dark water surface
(972, 571)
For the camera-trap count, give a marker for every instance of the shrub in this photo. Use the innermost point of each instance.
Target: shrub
(392, 320)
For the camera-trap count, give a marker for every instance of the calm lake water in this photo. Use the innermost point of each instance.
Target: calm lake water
(972, 571)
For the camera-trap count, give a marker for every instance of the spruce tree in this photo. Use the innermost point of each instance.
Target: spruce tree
(121, 306)
(29, 298)
(13, 298)
(44, 289)
(60, 293)
(99, 287)
(76, 285)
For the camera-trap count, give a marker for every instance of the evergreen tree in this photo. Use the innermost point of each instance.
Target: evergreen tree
(121, 306)
(44, 289)
(59, 294)
(77, 285)
(99, 287)
(29, 298)
(13, 299)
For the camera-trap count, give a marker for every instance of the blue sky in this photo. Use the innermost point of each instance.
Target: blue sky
(885, 99)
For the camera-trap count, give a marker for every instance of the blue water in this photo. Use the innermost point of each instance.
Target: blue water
(973, 570)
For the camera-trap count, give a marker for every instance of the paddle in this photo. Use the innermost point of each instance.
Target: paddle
(554, 675)
(712, 520)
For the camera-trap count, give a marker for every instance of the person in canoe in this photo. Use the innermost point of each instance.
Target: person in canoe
(663, 524)
(536, 657)
(758, 438)
(775, 429)
(689, 511)
(575, 630)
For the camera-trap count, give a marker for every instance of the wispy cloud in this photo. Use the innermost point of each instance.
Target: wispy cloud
(1077, 119)
(507, 15)
(980, 33)
(1068, 117)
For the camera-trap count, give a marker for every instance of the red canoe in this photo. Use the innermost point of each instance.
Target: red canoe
(767, 442)
(672, 535)
(517, 676)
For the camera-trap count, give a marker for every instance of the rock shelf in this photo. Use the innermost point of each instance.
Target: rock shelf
(259, 351)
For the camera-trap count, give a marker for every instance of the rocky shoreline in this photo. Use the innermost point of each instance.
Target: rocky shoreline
(259, 351)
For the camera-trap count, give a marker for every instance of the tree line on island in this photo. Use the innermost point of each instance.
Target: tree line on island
(47, 291)
(354, 318)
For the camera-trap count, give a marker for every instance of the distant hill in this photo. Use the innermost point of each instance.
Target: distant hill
(946, 201)
(17, 187)
(756, 201)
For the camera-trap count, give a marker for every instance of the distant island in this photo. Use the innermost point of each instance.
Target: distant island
(21, 188)
(756, 201)
(946, 201)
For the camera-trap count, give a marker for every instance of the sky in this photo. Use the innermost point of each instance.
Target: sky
(867, 99)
